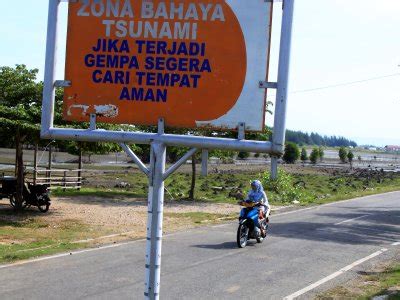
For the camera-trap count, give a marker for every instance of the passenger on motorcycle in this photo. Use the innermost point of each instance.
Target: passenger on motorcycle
(257, 194)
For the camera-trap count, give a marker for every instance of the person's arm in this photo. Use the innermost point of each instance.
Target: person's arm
(265, 199)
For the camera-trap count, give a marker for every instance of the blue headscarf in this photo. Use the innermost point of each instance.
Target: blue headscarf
(258, 194)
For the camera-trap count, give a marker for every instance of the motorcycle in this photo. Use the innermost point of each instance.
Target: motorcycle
(34, 194)
(250, 224)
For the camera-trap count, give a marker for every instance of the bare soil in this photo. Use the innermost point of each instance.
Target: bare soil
(121, 218)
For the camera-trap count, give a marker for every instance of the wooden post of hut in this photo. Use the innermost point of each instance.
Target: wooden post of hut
(49, 167)
(80, 169)
(35, 164)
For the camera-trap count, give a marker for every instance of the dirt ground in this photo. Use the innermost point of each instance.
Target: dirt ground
(117, 218)
(125, 214)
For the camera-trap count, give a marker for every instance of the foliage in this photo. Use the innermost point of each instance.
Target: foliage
(20, 104)
(303, 138)
(284, 186)
(89, 149)
(343, 154)
(243, 155)
(304, 156)
(321, 153)
(291, 154)
(350, 156)
(314, 155)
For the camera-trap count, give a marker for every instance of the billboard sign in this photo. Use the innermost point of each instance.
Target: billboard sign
(193, 63)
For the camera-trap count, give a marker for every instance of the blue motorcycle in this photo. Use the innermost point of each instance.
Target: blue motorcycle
(250, 224)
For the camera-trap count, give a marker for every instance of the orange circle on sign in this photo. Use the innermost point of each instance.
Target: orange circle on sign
(191, 99)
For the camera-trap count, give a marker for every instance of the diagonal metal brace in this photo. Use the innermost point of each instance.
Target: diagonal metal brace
(135, 158)
(179, 163)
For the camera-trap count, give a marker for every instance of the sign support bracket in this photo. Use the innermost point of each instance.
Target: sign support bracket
(241, 131)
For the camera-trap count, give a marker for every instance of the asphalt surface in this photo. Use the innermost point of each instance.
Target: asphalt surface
(303, 247)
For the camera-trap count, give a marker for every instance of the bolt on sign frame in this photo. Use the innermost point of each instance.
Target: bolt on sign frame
(245, 111)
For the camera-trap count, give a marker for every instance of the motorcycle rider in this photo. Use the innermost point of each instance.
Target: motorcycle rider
(257, 194)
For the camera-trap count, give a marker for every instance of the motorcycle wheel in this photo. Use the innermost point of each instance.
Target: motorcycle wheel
(44, 206)
(242, 235)
(13, 202)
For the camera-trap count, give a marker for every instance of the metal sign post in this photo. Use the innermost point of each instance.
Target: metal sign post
(247, 21)
(278, 137)
(155, 221)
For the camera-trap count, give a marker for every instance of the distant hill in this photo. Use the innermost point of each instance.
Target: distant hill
(304, 138)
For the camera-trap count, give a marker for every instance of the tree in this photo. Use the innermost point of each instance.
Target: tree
(193, 184)
(321, 153)
(291, 154)
(343, 154)
(303, 138)
(89, 149)
(314, 155)
(350, 157)
(304, 156)
(20, 113)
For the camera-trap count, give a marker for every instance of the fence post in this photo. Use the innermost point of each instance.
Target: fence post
(35, 164)
(80, 169)
(65, 180)
(49, 167)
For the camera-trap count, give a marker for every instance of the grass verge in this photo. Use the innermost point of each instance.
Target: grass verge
(31, 237)
(385, 283)
(310, 188)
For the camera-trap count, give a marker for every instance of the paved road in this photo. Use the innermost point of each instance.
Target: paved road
(303, 247)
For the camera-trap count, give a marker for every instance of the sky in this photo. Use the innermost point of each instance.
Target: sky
(334, 42)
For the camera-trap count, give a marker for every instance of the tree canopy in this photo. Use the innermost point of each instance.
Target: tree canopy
(303, 138)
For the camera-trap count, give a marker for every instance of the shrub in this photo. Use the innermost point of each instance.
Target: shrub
(350, 156)
(304, 156)
(291, 154)
(283, 186)
(243, 155)
(314, 155)
(321, 153)
(343, 154)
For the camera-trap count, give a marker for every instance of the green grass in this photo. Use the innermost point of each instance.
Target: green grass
(316, 188)
(321, 189)
(368, 286)
(29, 238)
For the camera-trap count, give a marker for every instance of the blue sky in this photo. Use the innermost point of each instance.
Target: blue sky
(334, 41)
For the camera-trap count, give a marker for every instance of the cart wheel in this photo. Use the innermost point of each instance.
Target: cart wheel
(13, 201)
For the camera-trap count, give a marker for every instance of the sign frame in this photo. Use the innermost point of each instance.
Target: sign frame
(159, 141)
(229, 84)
